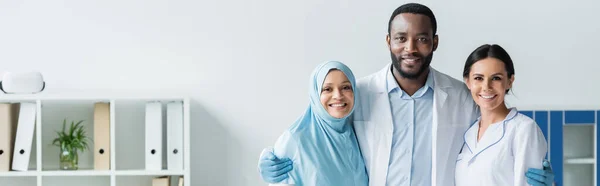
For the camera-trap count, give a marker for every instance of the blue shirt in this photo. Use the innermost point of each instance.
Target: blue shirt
(411, 140)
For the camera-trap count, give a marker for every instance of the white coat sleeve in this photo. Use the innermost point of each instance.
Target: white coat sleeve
(286, 147)
(529, 149)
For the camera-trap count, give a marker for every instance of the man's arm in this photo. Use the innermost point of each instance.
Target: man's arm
(539, 177)
(273, 169)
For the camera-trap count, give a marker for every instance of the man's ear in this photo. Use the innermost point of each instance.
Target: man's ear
(387, 40)
(435, 42)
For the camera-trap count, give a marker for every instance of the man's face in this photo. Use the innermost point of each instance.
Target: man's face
(411, 43)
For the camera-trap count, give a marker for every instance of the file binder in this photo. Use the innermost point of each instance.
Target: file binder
(175, 136)
(9, 112)
(161, 181)
(24, 137)
(102, 136)
(153, 136)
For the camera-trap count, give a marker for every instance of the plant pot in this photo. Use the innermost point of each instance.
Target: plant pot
(69, 159)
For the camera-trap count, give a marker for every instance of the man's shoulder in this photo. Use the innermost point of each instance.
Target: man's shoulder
(456, 88)
(524, 122)
(446, 80)
(366, 80)
(366, 83)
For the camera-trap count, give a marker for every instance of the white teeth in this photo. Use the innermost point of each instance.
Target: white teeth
(487, 97)
(338, 105)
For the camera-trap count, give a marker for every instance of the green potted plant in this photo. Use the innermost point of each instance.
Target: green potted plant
(70, 142)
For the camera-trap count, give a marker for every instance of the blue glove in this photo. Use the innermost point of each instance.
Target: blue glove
(537, 177)
(273, 169)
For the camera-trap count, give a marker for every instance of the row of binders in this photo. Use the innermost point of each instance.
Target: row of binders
(17, 125)
(18, 120)
(154, 137)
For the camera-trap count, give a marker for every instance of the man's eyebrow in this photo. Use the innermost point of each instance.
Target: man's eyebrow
(423, 34)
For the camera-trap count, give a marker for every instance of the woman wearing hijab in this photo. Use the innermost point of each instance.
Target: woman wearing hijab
(502, 143)
(321, 143)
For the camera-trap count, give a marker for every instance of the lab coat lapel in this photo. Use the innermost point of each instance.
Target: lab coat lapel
(439, 93)
(439, 98)
(381, 103)
(381, 117)
(382, 111)
(453, 113)
(440, 117)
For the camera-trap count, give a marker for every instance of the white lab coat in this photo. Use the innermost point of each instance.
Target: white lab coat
(503, 154)
(454, 111)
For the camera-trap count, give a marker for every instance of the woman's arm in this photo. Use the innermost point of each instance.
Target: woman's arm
(529, 149)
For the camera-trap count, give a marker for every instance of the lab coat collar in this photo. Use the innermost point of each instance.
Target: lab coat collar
(440, 83)
(440, 88)
(492, 135)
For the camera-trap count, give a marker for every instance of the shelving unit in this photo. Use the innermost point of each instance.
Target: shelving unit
(573, 144)
(127, 142)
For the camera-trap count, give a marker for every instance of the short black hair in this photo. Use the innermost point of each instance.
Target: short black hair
(414, 8)
(493, 51)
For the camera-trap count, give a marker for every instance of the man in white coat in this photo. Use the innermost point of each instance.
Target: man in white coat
(410, 118)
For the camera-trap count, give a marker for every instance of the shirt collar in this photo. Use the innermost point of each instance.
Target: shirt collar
(392, 84)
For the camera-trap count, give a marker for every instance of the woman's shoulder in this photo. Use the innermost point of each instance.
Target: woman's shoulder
(527, 133)
(523, 123)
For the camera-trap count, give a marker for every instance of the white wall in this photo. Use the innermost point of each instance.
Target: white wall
(246, 63)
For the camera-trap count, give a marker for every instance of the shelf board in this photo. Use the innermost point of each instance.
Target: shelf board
(74, 173)
(91, 173)
(19, 173)
(148, 173)
(89, 97)
(580, 161)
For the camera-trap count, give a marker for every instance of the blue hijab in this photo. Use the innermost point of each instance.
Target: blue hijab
(324, 149)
